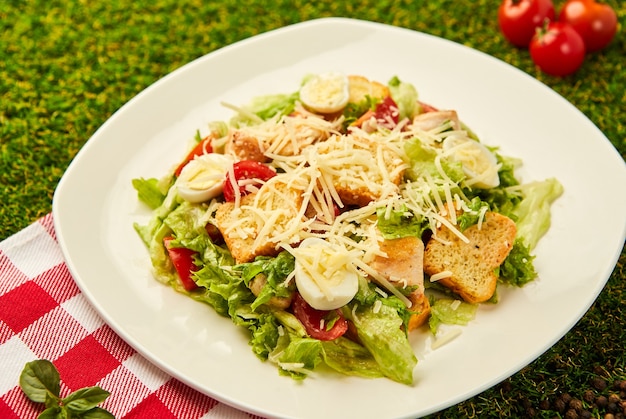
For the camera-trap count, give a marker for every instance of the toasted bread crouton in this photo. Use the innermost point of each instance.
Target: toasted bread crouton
(259, 223)
(404, 267)
(471, 265)
(354, 164)
(361, 87)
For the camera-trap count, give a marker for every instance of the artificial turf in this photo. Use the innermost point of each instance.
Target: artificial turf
(68, 65)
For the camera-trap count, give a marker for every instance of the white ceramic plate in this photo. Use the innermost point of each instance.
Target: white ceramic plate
(95, 206)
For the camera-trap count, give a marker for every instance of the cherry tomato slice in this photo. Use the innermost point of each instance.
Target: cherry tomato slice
(314, 320)
(246, 169)
(386, 114)
(203, 147)
(182, 259)
(595, 22)
(558, 50)
(519, 19)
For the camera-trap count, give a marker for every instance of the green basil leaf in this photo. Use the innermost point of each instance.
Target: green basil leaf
(54, 412)
(97, 413)
(85, 399)
(52, 400)
(40, 381)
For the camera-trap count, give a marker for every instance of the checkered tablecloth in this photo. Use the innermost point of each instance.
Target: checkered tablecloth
(43, 315)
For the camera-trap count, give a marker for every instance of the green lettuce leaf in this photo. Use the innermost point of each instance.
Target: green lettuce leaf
(382, 335)
(469, 218)
(350, 358)
(449, 311)
(225, 290)
(353, 111)
(275, 269)
(264, 108)
(507, 170)
(532, 215)
(153, 233)
(422, 162)
(296, 355)
(149, 192)
(518, 268)
(399, 223)
(405, 96)
(188, 221)
(265, 335)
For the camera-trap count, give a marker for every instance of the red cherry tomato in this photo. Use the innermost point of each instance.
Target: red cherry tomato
(595, 22)
(246, 169)
(203, 147)
(519, 19)
(313, 320)
(386, 114)
(182, 259)
(558, 49)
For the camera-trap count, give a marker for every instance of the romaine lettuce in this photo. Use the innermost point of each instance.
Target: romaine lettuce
(399, 223)
(350, 358)
(450, 311)
(518, 268)
(533, 213)
(264, 108)
(149, 192)
(405, 96)
(422, 162)
(381, 333)
(275, 269)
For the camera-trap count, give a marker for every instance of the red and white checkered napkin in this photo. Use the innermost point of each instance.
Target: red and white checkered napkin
(44, 315)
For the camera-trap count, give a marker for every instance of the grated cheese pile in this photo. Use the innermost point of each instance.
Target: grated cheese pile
(360, 171)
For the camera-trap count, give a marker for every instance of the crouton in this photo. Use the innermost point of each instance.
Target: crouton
(360, 87)
(256, 226)
(471, 265)
(363, 179)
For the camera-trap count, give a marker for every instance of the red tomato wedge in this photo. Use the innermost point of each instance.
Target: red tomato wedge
(182, 259)
(315, 321)
(386, 113)
(203, 147)
(246, 169)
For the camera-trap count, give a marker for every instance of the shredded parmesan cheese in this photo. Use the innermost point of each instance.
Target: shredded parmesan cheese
(320, 170)
(446, 338)
(444, 274)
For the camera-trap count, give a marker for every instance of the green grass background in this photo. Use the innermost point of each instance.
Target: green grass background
(66, 66)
